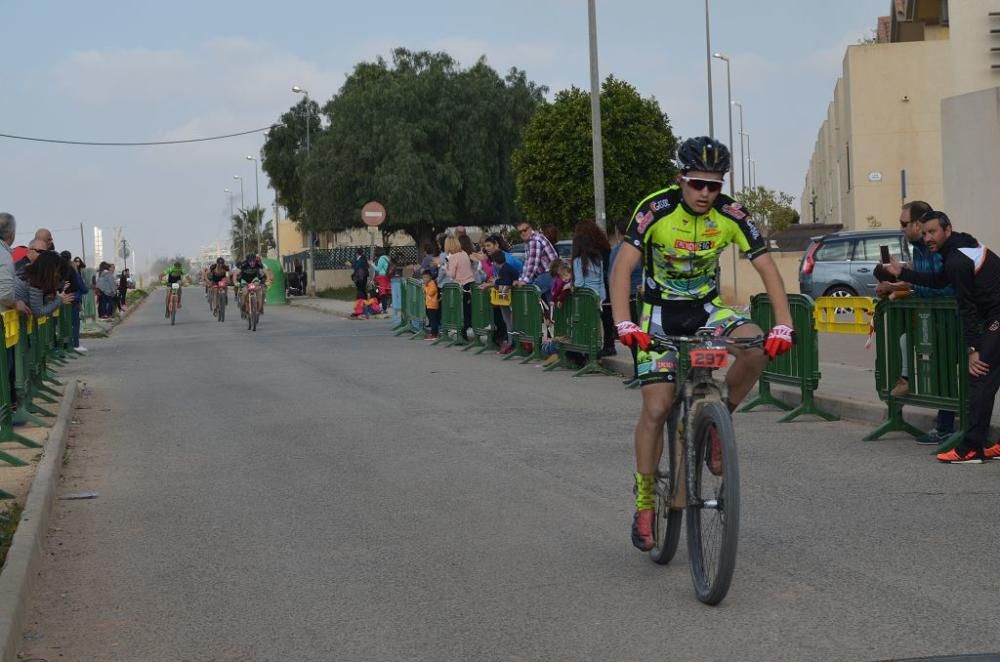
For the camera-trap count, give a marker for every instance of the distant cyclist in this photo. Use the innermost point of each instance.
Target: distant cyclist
(174, 274)
(250, 270)
(678, 234)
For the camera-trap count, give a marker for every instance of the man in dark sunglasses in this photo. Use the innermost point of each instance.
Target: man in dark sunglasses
(678, 234)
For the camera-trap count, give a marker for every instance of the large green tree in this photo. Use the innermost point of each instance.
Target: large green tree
(554, 165)
(426, 138)
(771, 210)
(285, 150)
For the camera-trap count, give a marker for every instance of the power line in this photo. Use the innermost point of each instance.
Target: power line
(134, 144)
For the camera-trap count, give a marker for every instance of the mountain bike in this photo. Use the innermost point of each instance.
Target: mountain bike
(172, 299)
(699, 470)
(252, 305)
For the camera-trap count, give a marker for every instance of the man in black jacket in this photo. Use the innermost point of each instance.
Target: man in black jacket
(974, 271)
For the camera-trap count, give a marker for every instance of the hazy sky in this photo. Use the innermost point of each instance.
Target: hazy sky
(145, 70)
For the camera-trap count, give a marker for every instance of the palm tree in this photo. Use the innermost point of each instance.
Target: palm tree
(247, 235)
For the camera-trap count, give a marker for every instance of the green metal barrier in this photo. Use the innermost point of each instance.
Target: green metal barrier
(482, 321)
(402, 305)
(7, 433)
(935, 345)
(526, 312)
(26, 378)
(88, 305)
(578, 329)
(799, 367)
(418, 309)
(452, 319)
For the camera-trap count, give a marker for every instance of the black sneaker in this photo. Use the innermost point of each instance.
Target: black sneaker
(932, 438)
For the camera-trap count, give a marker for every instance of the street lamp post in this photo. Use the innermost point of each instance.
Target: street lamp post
(708, 63)
(260, 220)
(243, 206)
(729, 96)
(743, 164)
(243, 202)
(595, 120)
(748, 161)
(312, 238)
(732, 178)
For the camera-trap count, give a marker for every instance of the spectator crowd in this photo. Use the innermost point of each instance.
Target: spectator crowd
(490, 263)
(36, 280)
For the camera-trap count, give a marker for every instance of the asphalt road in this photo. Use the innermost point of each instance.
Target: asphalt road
(321, 490)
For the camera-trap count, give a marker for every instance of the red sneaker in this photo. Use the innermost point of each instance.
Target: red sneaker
(714, 462)
(642, 530)
(960, 457)
(993, 452)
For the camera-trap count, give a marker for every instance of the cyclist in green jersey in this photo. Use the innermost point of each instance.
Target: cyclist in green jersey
(174, 274)
(677, 234)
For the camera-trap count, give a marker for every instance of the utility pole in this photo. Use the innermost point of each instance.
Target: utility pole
(83, 246)
(708, 60)
(595, 120)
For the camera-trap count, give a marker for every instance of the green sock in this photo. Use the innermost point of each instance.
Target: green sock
(644, 497)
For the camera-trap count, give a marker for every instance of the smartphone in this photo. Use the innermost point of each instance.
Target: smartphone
(885, 254)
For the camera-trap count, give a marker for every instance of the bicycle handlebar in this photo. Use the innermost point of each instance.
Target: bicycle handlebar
(706, 337)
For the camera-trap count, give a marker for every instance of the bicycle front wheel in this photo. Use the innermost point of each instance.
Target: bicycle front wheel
(221, 307)
(713, 518)
(667, 521)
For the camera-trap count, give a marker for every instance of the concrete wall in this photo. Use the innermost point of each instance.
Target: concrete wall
(971, 151)
(895, 107)
(971, 42)
(335, 278)
(748, 281)
(887, 134)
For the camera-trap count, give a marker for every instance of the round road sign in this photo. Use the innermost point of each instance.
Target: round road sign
(373, 213)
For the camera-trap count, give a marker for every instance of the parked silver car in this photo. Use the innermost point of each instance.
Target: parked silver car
(842, 264)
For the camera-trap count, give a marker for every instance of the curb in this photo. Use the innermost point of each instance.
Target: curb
(21, 568)
(308, 305)
(101, 332)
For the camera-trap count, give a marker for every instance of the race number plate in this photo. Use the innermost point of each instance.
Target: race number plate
(175, 286)
(708, 358)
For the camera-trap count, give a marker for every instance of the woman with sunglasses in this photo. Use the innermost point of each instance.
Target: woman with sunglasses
(678, 234)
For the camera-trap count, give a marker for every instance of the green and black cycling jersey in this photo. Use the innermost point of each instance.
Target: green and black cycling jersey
(680, 249)
(175, 275)
(249, 273)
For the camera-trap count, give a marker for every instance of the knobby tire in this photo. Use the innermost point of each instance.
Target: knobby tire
(713, 533)
(666, 521)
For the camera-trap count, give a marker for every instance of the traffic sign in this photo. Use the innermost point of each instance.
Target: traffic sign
(373, 213)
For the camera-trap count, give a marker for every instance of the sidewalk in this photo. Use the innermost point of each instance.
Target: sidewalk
(329, 306)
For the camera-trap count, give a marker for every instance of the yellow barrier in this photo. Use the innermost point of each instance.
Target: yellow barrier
(11, 328)
(855, 316)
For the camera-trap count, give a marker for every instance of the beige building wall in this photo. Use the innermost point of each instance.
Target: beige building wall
(895, 124)
(886, 114)
(971, 42)
(971, 145)
(748, 281)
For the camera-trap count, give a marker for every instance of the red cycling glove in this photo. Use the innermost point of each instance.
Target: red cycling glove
(779, 340)
(631, 335)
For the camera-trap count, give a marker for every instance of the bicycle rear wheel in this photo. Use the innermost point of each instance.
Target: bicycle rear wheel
(667, 521)
(713, 517)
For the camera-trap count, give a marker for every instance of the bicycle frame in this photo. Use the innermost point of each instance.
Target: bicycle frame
(698, 387)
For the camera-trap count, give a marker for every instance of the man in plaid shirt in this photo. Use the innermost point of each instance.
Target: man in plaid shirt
(538, 256)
